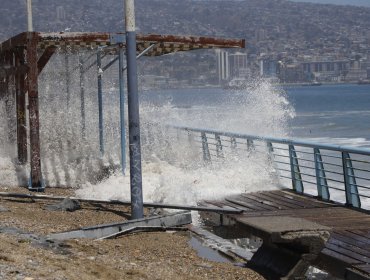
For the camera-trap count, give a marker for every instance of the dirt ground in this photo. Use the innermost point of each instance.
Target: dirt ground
(26, 254)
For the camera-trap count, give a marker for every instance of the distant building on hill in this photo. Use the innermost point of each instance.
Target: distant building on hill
(223, 66)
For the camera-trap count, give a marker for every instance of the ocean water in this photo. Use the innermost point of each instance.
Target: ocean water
(332, 113)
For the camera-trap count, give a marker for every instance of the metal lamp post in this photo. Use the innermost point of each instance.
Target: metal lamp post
(137, 209)
(29, 15)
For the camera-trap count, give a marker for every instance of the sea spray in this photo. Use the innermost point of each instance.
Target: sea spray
(174, 171)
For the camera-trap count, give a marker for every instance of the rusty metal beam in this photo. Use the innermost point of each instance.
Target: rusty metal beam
(36, 177)
(71, 37)
(205, 41)
(45, 57)
(97, 38)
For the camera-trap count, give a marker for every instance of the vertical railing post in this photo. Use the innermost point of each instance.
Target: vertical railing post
(190, 138)
(352, 195)
(122, 108)
(219, 151)
(270, 150)
(295, 170)
(33, 101)
(206, 154)
(233, 144)
(82, 97)
(250, 145)
(100, 103)
(321, 182)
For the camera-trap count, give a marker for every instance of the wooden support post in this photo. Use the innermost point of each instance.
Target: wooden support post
(9, 99)
(33, 101)
(21, 112)
(45, 57)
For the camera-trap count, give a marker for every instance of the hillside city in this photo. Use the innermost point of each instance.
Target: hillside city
(289, 42)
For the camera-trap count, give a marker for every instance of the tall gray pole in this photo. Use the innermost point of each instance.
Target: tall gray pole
(137, 208)
(122, 109)
(29, 15)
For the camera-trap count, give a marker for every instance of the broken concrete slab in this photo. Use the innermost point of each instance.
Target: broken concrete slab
(225, 246)
(99, 231)
(285, 229)
(290, 244)
(66, 204)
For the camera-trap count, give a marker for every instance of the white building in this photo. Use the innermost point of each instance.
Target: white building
(223, 66)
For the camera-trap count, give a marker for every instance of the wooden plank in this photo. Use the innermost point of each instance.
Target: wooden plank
(355, 224)
(354, 236)
(350, 247)
(294, 199)
(241, 203)
(273, 202)
(217, 203)
(363, 267)
(257, 204)
(348, 253)
(258, 201)
(287, 201)
(345, 218)
(343, 226)
(340, 257)
(335, 218)
(319, 213)
(356, 273)
(307, 199)
(364, 233)
(230, 204)
(350, 240)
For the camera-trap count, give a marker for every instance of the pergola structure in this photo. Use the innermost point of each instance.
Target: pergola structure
(24, 56)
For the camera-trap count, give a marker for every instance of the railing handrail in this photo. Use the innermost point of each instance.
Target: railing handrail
(331, 147)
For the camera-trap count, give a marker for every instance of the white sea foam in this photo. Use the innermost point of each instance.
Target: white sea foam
(173, 171)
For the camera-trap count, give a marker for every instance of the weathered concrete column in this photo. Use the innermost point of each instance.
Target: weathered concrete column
(21, 113)
(33, 101)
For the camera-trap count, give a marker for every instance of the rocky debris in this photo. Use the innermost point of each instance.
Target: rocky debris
(37, 241)
(67, 204)
(141, 256)
(3, 209)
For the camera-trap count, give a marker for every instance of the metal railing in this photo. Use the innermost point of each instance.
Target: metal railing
(331, 172)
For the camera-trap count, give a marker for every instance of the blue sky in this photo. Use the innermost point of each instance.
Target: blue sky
(365, 3)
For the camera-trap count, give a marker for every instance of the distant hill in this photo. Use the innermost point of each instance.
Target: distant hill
(365, 3)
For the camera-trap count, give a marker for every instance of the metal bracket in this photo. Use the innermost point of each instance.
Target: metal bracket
(295, 170)
(41, 188)
(206, 154)
(321, 182)
(352, 194)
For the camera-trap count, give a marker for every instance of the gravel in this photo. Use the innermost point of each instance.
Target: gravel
(25, 253)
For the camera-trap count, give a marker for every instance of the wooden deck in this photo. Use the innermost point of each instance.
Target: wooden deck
(346, 254)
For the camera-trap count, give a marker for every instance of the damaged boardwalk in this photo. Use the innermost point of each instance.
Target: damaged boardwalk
(291, 227)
